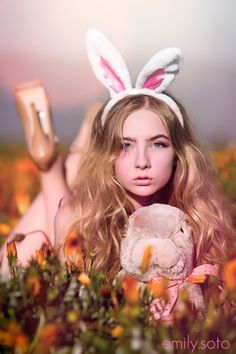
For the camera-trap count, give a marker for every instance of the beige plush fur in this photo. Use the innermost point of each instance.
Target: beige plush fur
(165, 228)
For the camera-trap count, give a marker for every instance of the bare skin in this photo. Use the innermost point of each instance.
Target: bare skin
(39, 218)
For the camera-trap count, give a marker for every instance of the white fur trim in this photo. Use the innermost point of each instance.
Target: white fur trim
(99, 46)
(168, 59)
(161, 96)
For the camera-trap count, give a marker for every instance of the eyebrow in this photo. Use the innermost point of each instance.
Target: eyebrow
(148, 139)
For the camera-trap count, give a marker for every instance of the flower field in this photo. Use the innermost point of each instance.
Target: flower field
(49, 307)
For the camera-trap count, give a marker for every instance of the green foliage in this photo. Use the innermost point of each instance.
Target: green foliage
(46, 308)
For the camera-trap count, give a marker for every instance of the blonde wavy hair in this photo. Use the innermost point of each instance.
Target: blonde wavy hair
(102, 204)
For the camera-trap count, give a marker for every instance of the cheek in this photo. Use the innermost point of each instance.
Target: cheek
(121, 166)
(164, 162)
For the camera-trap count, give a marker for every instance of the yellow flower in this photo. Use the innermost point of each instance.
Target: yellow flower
(147, 255)
(11, 249)
(33, 284)
(84, 279)
(117, 331)
(72, 316)
(22, 202)
(230, 274)
(4, 229)
(114, 299)
(130, 287)
(197, 278)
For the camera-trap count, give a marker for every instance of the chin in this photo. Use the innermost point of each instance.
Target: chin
(144, 191)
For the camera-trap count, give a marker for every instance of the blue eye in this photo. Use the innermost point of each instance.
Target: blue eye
(126, 146)
(160, 144)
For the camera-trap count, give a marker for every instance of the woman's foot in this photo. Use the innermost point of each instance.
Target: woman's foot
(33, 108)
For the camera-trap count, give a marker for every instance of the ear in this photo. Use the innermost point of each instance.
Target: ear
(107, 63)
(160, 70)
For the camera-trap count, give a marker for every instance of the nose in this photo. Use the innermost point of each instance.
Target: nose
(142, 160)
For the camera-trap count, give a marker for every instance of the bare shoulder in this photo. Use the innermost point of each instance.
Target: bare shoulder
(65, 217)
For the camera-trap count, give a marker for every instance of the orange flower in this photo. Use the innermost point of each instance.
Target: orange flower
(49, 336)
(147, 255)
(25, 165)
(42, 254)
(230, 274)
(40, 258)
(84, 279)
(73, 251)
(130, 287)
(197, 278)
(117, 331)
(4, 229)
(33, 284)
(21, 342)
(22, 202)
(14, 337)
(158, 288)
(11, 249)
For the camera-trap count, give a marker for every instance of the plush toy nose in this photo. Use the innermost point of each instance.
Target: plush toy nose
(166, 253)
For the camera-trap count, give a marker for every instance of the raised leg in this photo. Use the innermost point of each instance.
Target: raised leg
(54, 181)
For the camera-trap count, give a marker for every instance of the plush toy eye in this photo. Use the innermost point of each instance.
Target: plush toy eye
(182, 230)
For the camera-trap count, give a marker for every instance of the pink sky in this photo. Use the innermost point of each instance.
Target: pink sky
(44, 40)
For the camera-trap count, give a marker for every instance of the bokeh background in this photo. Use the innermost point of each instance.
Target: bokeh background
(45, 40)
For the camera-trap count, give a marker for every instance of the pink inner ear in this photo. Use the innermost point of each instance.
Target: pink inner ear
(154, 80)
(114, 81)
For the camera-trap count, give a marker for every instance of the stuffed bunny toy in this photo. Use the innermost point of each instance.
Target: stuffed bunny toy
(165, 229)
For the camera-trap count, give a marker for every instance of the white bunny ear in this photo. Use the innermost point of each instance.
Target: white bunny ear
(107, 63)
(160, 70)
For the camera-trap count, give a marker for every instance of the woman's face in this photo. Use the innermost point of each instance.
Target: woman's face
(145, 163)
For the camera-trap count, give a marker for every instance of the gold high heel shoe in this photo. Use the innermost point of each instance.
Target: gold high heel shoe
(33, 108)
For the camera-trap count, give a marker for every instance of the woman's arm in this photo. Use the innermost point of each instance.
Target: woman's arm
(64, 219)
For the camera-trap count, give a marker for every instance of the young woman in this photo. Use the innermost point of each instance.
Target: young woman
(142, 150)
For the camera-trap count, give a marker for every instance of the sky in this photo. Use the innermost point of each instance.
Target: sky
(45, 40)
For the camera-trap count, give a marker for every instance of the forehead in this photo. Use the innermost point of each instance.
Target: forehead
(143, 122)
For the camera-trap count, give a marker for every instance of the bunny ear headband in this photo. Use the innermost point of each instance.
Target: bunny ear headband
(109, 67)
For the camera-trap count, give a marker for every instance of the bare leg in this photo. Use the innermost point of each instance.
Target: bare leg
(80, 143)
(40, 215)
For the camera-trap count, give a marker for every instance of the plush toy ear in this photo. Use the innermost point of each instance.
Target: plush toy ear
(107, 63)
(160, 70)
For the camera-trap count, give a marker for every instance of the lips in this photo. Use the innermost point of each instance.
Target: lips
(143, 180)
